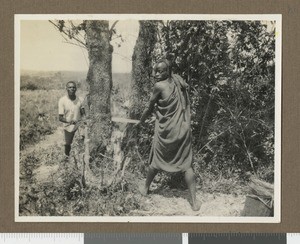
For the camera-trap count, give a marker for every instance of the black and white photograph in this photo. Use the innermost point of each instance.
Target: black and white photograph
(148, 118)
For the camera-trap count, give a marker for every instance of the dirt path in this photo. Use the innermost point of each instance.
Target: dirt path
(50, 140)
(169, 202)
(43, 172)
(175, 202)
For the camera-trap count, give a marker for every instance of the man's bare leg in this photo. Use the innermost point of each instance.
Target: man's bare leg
(67, 150)
(191, 183)
(150, 176)
(68, 141)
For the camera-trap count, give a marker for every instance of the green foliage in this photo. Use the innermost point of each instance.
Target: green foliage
(230, 67)
(62, 192)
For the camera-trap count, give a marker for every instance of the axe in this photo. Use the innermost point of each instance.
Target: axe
(123, 120)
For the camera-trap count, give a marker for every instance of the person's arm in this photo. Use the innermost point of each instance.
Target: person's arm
(61, 109)
(82, 112)
(61, 118)
(154, 98)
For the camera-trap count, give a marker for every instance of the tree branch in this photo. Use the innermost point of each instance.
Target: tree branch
(111, 29)
(215, 137)
(75, 44)
(124, 57)
(67, 34)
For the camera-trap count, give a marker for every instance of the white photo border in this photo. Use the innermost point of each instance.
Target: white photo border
(156, 219)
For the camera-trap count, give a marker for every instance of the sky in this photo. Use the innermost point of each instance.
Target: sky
(42, 48)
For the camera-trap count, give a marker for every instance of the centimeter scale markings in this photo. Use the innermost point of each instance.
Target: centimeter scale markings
(37, 238)
(150, 238)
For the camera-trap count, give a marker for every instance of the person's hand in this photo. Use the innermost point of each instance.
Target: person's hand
(137, 125)
(73, 122)
(151, 120)
(86, 121)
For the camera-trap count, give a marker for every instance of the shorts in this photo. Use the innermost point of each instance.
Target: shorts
(69, 137)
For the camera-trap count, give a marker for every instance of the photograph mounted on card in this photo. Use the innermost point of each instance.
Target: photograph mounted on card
(148, 118)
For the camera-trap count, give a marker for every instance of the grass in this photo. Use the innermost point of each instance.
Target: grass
(63, 194)
(38, 114)
(40, 92)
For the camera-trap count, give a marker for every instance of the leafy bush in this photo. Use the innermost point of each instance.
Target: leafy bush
(229, 66)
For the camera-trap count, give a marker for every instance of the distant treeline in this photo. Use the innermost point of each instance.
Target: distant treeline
(56, 80)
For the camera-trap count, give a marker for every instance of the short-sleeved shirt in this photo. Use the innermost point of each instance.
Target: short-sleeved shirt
(70, 110)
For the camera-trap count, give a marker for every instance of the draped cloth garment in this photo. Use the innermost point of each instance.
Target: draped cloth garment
(171, 149)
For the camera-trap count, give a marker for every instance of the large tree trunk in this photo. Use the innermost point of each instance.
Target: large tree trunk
(142, 67)
(141, 87)
(99, 78)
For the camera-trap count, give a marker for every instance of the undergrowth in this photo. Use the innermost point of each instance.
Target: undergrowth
(63, 193)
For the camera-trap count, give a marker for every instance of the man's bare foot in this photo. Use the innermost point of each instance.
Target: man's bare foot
(196, 206)
(143, 190)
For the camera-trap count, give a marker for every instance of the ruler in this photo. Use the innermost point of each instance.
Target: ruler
(150, 238)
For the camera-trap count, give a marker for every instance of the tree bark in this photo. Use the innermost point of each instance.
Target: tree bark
(99, 78)
(142, 67)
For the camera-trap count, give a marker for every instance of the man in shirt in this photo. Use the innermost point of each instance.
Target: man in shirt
(70, 110)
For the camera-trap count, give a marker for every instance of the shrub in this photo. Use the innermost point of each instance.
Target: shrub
(29, 86)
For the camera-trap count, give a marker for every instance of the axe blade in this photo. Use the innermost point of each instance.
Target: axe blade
(124, 120)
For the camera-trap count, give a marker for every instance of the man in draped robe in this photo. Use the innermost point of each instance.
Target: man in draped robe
(171, 149)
